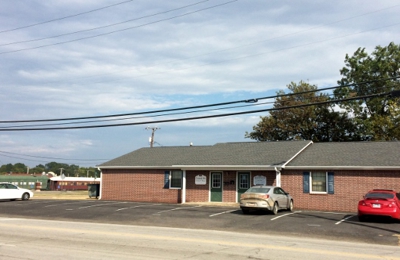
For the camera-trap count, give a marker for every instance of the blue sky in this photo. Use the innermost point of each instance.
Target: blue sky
(66, 59)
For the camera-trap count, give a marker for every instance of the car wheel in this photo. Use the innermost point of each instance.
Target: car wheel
(290, 208)
(275, 209)
(361, 218)
(25, 196)
(245, 211)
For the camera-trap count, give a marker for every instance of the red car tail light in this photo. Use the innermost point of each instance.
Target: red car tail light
(266, 196)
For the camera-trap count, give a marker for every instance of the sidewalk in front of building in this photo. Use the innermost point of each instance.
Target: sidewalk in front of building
(62, 195)
(84, 195)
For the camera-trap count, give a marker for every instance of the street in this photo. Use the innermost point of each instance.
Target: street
(97, 229)
(46, 239)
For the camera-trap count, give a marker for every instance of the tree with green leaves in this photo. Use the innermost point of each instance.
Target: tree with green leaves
(38, 169)
(71, 170)
(6, 168)
(319, 123)
(363, 75)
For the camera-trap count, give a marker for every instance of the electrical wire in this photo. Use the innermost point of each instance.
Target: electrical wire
(65, 17)
(198, 117)
(121, 30)
(253, 43)
(52, 158)
(252, 100)
(250, 55)
(138, 117)
(102, 27)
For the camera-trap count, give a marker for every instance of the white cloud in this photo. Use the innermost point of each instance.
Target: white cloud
(233, 52)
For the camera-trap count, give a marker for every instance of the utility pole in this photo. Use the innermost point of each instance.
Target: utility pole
(152, 134)
(61, 173)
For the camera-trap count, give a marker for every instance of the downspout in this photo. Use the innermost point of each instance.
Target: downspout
(101, 183)
(183, 195)
(278, 177)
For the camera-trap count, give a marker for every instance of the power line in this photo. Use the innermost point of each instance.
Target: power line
(289, 35)
(164, 12)
(138, 117)
(65, 17)
(201, 117)
(294, 33)
(102, 27)
(121, 30)
(248, 56)
(53, 158)
(252, 100)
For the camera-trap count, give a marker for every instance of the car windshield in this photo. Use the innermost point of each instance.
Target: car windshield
(380, 195)
(257, 190)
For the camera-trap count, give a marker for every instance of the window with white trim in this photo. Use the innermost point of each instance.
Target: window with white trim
(176, 179)
(244, 180)
(318, 182)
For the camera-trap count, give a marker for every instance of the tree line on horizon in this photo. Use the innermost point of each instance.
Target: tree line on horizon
(361, 119)
(69, 170)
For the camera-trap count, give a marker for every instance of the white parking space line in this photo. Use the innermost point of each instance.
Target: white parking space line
(336, 213)
(32, 201)
(55, 205)
(343, 220)
(168, 210)
(138, 206)
(229, 211)
(285, 215)
(100, 205)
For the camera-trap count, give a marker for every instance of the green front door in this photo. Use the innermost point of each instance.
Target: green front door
(243, 183)
(216, 186)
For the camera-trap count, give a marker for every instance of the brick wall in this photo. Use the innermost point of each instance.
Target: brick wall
(229, 186)
(349, 187)
(137, 185)
(148, 186)
(270, 175)
(201, 193)
(197, 193)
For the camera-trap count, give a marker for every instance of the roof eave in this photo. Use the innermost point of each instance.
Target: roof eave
(199, 167)
(352, 168)
(135, 167)
(228, 167)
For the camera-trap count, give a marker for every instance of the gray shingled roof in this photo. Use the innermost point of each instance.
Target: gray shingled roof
(354, 154)
(265, 154)
(233, 154)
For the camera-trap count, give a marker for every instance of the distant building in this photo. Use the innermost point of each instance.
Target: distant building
(27, 181)
(72, 183)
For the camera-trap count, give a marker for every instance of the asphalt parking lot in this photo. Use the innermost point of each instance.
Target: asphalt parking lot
(327, 225)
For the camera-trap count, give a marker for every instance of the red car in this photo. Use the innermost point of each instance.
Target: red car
(379, 203)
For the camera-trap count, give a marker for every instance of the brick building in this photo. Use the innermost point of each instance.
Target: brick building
(319, 176)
